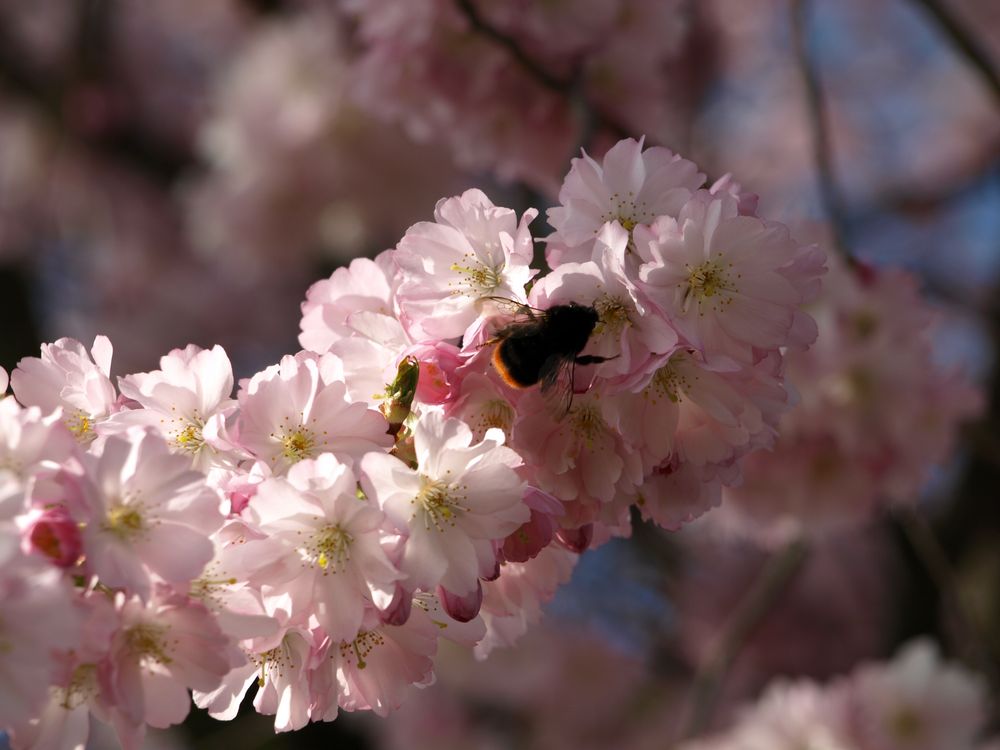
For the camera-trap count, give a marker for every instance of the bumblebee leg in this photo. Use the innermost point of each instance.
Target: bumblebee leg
(591, 359)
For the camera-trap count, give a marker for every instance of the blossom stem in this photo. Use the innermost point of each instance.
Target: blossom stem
(966, 43)
(968, 635)
(772, 581)
(829, 194)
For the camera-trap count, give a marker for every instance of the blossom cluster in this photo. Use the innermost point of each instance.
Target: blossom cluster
(876, 412)
(387, 487)
(914, 702)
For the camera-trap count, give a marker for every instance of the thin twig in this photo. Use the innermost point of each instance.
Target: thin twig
(570, 87)
(968, 635)
(482, 26)
(833, 204)
(778, 572)
(967, 44)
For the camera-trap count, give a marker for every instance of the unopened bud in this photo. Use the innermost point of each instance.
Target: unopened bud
(399, 394)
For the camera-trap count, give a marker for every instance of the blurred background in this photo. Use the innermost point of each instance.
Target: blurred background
(180, 171)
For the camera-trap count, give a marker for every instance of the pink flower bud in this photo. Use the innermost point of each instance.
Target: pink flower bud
(53, 533)
(439, 380)
(530, 539)
(536, 534)
(576, 540)
(494, 572)
(398, 610)
(461, 608)
(238, 502)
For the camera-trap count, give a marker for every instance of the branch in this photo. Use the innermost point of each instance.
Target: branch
(510, 44)
(571, 88)
(926, 546)
(829, 194)
(967, 44)
(778, 572)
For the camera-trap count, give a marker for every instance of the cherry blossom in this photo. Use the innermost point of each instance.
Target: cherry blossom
(288, 413)
(631, 186)
(722, 279)
(70, 377)
(186, 398)
(461, 497)
(145, 511)
(162, 649)
(449, 269)
(38, 620)
(322, 546)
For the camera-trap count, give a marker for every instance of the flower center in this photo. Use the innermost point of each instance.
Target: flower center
(330, 548)
(81, 688)
(273, 662)
(587, 423)
(361, 647)
(148, 642)
(906, 724)
(497, 413)
(81, 425)
(865, 324)
(440, 503)
(189, 440)
(627, 212)
(124, 521)
(298, 444)
(477, 277)
(709, 283)
(613, 315)
(668, 382)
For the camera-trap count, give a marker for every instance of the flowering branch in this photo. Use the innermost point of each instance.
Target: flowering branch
(778, 572)
(830, 197)
(965, 42)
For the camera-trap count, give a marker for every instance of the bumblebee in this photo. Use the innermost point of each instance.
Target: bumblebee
(544, 344)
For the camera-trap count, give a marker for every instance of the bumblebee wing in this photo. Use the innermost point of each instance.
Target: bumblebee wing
(557, 383)
(508, 306)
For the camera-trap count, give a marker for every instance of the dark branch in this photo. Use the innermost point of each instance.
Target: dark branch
(833, 204)
(510, 44)
(967, 44)
(968, 635)
(778, 572)
(571, 87)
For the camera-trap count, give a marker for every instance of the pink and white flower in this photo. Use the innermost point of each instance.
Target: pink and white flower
(38, 620)
(630, 187)
(67, 376)
(375, 669)
(461, 498)
(145, 513)
(321, 547)
(289, 413)
(363, 286)
(916, 702)
(724, 281)
(514, 601)
(29, 444)
(189, 396)
(450, 268)
(162, 649)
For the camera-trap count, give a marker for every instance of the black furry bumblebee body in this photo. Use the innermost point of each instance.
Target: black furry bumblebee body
(540, 346)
